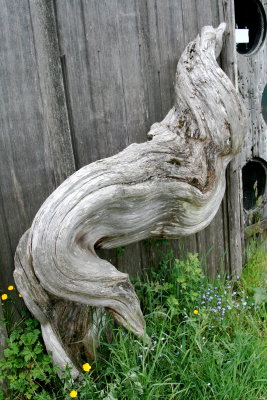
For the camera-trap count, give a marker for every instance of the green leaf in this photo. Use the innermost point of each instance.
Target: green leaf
(29, 339)
(8, 353)
(38, 348)
(14, 347)
(167, 286)
(172, 301)
(38, 374)
(27, 353)
(42, 396)
(260, 295)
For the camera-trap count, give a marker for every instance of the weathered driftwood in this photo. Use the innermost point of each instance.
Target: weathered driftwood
(170, 186)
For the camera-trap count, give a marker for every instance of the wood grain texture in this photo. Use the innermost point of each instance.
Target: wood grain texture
(168, 187)
(148, 38)
(118, 62)
(35, 155)
(211, 243)
(52, 88)
(6, 259)
(252, 78)
(26, 177)
(252, 73)
(234, 177)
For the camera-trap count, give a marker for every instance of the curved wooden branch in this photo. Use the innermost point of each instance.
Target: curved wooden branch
(168, 187)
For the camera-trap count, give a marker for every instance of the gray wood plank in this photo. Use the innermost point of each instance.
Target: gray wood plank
(225, 232)
(94, 74)
(252, 73)
(52, 88)
(6, 259)
(119, 59)
(206, 13)
(125, 74)
(146, 69)
(229, 65)
(162, 38)
(29, 167)
(26, 175)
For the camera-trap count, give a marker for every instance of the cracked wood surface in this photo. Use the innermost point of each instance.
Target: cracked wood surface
(170, 186)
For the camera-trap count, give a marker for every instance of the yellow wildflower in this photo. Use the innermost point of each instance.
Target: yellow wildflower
(86, 367)
(20, 295)
(4, 296)
(73, 394)
(10, 287)
(195, 312)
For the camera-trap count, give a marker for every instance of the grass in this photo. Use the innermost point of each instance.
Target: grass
(207, 341)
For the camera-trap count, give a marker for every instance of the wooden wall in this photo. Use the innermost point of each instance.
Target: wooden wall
(81, 80)
(252, 79)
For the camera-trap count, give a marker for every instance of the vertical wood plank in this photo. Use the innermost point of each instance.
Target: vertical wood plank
(52, 88)
(32, 163)
(190, 19)
(252, 78)
(234, 186)
(147, 38)
(119, 59)
(25, 167)
(190, 30)
(225, 233)
(210, 241)
(6, 259)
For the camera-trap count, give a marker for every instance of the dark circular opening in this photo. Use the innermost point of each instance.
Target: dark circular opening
(250, 14)
(264, 104)
(254, 182)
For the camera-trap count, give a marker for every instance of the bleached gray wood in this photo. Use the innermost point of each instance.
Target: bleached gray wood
(26, 177)
(6, 259)
(252, 73)
(35, 153)
(52, 89)
(131, 48)
(35, 157)
(252, 78)
(234, 179)
(168, 187)
(211, 244)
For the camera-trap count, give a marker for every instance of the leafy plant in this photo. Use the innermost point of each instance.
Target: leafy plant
(26, 368)
(207, 341)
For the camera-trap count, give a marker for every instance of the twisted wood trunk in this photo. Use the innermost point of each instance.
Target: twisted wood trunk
(168, 187)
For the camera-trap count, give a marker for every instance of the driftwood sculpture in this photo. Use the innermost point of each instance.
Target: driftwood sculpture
(168, 187)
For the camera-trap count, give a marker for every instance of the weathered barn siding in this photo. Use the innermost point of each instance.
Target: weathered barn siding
(252, 74)
(81, 80)
(119, 60)
(30, 157)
